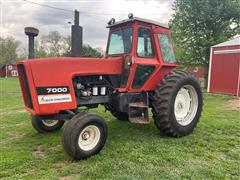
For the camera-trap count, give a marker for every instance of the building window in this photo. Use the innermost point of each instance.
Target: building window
(166, 48)
(10, 67)
(14, 73)
(144, 45)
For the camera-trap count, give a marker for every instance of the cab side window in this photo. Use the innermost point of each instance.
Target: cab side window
(166, 48)
(145, 45)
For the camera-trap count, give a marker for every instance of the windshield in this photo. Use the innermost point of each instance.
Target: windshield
(120, 41)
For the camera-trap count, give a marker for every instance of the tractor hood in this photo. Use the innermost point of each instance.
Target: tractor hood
(59, 71)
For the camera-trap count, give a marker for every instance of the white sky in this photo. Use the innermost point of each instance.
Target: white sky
(94, 15)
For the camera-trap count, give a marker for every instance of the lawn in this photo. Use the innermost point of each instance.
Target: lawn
(132, 151)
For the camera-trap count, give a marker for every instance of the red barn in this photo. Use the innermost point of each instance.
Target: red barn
(8, 70)
(224, 68)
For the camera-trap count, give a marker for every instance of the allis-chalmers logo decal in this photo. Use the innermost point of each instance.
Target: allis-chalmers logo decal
(53, 94)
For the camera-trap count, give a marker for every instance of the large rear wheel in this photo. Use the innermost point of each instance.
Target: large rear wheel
(177, 104)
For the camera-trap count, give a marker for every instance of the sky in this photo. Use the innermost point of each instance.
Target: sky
(94, 15)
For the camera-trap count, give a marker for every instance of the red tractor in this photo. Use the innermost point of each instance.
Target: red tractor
(137, 73)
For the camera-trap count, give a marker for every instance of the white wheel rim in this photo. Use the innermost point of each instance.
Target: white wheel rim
(186, 105)
(89, 137)
(49, 123)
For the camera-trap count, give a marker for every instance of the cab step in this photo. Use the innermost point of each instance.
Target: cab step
(138, 111)
(138, 104)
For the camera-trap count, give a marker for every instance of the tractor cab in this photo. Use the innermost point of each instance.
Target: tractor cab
(145, 46)
(141, 38)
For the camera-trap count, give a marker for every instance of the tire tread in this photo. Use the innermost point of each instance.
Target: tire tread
(161, 102)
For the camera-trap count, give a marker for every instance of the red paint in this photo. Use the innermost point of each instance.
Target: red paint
(60, 71)
(225, 69)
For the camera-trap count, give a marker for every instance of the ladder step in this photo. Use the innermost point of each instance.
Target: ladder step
(138, 104)
(138, 109)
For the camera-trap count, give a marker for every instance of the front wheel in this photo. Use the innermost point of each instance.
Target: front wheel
(84, 135)
(177, 104)
(42, 125)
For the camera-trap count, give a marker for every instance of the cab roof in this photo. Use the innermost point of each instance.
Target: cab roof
(138, 19)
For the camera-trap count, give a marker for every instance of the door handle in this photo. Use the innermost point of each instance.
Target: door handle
(128, 62)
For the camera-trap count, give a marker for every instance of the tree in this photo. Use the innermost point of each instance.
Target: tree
(22, 53)
(198, 25)
(88, 51)
(68, 43)
(54, 44)
(8, 49)
(40, 52)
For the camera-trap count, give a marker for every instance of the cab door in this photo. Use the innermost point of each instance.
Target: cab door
(144, 61)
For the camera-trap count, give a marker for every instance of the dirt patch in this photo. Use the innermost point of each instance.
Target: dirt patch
(54, 148)
(233, 104)
(7, 111)
(70, 177)
(39, 152)
(15, 135)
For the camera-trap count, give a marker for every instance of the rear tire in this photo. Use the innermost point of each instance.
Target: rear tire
(42, 125)
(177, 104)
(84, 135)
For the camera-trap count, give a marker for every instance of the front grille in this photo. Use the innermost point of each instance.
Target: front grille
(25, 86)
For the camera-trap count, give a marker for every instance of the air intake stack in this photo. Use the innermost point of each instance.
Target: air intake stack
(31, 32)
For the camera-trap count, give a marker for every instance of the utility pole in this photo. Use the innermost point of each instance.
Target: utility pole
(76, 38)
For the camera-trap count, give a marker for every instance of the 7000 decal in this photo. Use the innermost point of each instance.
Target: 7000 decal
(56, 90)
(52, 90)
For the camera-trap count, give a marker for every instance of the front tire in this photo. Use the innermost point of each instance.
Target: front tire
(43, 126)
(177, 104)
(84, 135)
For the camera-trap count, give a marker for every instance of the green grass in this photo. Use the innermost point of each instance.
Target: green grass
(132, 151)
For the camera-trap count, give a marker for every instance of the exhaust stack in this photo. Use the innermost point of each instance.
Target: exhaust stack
(76, 37)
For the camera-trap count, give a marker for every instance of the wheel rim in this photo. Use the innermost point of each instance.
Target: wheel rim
(186, 105)
(49, 123)
(89, 137)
